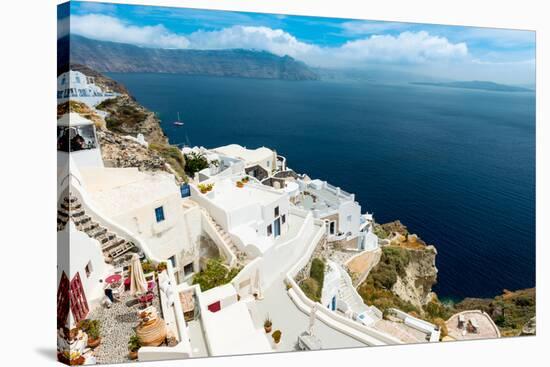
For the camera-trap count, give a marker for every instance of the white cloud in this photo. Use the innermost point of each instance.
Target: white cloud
(107, 28)
(407, 47)
(275, 41)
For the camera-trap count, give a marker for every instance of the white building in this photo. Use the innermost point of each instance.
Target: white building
(150, 206)
(259, 163)
(77, 86)
(332, 204)
(254, 215)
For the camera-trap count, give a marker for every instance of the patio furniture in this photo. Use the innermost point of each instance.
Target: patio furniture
(113, 278)
(460, 321)
(146, 300)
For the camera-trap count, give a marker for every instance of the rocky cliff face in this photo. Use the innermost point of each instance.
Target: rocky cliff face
(119, 57)
(125, 116)
(420, 274)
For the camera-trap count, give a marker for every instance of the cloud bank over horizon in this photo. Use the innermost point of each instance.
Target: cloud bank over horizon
(406, 47)
(363, 44)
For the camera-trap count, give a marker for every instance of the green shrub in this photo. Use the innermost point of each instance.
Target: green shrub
(317, 272)
(134, 344)
(214, 275)
(195, 162)
(311, 289)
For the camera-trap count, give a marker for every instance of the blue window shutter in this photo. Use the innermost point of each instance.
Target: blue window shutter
(159, 214)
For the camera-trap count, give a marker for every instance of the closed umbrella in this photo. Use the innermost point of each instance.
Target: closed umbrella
(138, 283)
(312, 318)
(258, 285)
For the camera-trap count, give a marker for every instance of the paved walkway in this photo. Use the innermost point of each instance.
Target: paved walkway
(118, 323)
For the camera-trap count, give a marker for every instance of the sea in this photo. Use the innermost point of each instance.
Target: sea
(456, 166)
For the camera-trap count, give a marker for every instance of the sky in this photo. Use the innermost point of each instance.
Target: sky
(445, 52)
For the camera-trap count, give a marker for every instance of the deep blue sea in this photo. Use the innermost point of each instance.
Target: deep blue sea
(456, 166)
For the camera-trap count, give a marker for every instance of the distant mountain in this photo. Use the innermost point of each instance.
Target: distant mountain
(476, 84)
(120, 57)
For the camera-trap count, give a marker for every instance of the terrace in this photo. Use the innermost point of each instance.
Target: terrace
(123, 318)
(322, 198)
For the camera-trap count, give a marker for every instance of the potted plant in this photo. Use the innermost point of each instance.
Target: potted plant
(93, 331)
(240, 184)
(277, 336)
(133, 347)
(161, 267)
(245, 179)
(267, 324)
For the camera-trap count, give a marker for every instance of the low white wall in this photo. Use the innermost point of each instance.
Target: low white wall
(349, 327)
(209, 228)
(173, 316)
(269, 265)
(418, 324)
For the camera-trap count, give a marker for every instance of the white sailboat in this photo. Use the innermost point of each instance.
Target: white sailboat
(178, 122)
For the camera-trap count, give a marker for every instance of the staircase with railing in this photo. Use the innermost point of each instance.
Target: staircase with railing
(113, 246)
(241, 257)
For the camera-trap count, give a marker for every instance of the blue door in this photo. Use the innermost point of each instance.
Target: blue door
(277, 226)
(334, 303)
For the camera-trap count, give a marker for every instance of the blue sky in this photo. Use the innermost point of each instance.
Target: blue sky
(441, 51)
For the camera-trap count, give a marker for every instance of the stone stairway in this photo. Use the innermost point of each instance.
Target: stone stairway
(242, 257)
(345, 293)
(348, 294)
(113, 246)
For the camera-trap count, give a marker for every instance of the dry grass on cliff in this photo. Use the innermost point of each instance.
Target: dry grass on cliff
(83, 110)
(173, 157)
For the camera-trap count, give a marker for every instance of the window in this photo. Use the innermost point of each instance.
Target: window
(188, 269)
(173, 261)
(268, 163)
(283, 218)
(75, 138)
(63, 81)
(78, 79)
(159, 214)
(349, 218)
(276, 211)
(269, 230)
(332, 227)
(88, 269)
(59, 94)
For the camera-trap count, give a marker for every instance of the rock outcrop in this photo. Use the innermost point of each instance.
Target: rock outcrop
(121, 152)
(127, 117)
(419, 276)
(530, 328)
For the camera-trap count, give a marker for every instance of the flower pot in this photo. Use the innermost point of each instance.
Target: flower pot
(93, 343)
(267, 329)
(133, 355)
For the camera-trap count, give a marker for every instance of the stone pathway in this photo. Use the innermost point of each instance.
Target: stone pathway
(117, 325)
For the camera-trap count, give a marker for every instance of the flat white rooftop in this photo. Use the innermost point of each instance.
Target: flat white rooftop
(248, 155)
(230, 197)
(119, 190)
(235, 333)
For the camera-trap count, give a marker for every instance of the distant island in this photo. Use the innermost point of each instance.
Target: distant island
(476, 84)
(106, 56)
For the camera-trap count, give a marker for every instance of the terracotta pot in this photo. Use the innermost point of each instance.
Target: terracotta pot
(62, 358)
(267, 329)
(133, 355)
(78, 361)
(93, 343)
